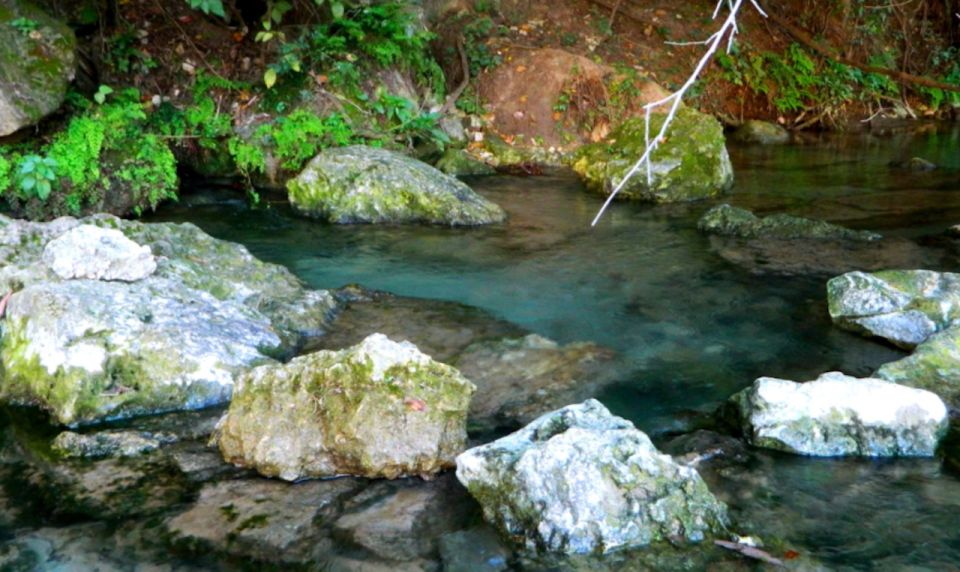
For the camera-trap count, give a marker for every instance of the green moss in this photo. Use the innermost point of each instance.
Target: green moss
(692, 163)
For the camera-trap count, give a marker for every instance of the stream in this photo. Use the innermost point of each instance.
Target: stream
(693, 319)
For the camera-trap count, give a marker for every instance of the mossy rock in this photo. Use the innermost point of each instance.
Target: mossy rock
(726, 220)
(690, 164)
(460, 163)
(37, 63)
(378, 409)
(934, 366)
(761, 133)
(359, 184)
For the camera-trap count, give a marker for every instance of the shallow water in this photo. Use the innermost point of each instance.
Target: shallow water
(691, 324)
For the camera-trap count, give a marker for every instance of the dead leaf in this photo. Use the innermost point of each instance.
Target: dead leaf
(749, 552)
(414, 404)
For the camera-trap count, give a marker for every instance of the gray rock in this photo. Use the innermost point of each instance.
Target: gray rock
(378, 409)
(36, 66)
(266, 521)
(109, 443)
(519, 379)
(95, 253)
(691, 164)
(934, 366)
(89, 350)
(360, 184)
(474, 550)
(904, 307)
(727, 220)
(761, 132)
(402, 521)
(581, 480)
(460, 163)
(837, 415)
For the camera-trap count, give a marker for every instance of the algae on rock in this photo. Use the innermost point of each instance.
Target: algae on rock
(691, 164)
(378, 409)
(359, 184)
(732, 221)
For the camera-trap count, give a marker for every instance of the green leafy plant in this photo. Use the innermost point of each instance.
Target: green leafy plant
(102, 92)
(214, 7)
(25, 25)
(36, 176)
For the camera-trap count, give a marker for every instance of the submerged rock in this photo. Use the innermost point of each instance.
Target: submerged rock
(581, 480)
(762, 132)
(904, 307)
(934, 366)
(36, 65)
(727, 220)
(519, 379)
(360, 184)
(838, 415)
(95, 253)
(109, 443)
(378, 409)
(474, 550)
(914, 164)
(261, 520)
(691, 164)
(88, 350)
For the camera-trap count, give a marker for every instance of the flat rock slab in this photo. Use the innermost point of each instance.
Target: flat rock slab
(727, 220)
(838, 415)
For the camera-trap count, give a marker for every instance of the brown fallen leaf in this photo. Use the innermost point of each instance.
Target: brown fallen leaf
(415, 404)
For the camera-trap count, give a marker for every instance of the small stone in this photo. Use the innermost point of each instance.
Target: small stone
(580, 480)
(838, 415)
(91, 252)
(761, 132)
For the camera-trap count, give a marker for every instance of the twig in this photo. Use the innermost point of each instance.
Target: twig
(749, 552)
(186, 36)
(465, 66)
(728, 29)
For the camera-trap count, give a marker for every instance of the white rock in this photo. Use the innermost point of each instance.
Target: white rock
(96, 253)
(582, 480)
(841, 415)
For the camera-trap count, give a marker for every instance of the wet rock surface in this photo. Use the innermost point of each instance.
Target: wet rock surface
(580, 480)
(360, 184)
(110, 443)
(726, 220)
(761, 132)
(837, 415)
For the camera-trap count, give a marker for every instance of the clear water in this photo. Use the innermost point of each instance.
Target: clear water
(692, 326)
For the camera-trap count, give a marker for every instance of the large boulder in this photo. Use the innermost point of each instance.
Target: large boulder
(727, 220)
(580, 480)
(88, 350)
(359, 184)
(934, 366)
(378, 409)
(690, 164)
(904, 307)
(37, 63)
(838, 415)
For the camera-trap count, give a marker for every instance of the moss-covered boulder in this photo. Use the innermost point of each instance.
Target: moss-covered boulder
(761, 132)
(88, 350)
(460, 163)
(37, 63)
(727, 220)
(580, 480)
(934, 366)
(904, 307)
(838, 415)
(359, 184)
(690, 164)
(378, 409)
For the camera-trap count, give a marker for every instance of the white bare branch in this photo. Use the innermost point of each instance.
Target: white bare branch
(729, 29)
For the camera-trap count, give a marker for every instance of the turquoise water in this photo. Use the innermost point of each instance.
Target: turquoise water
(694, 320)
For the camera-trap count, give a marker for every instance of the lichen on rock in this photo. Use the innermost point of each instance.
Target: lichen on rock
(377, 409)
